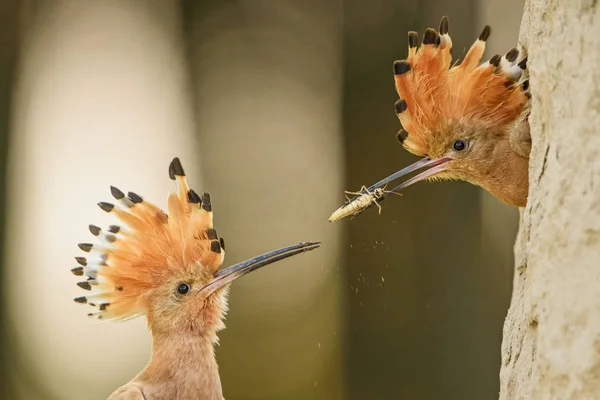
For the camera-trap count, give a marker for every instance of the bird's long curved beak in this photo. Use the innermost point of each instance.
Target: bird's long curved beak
(228, 275)
(434, 166)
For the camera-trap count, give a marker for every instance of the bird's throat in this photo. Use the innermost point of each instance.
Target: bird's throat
(508, 176)
(181, 367)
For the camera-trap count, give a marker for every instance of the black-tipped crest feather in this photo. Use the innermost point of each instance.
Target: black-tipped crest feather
(485, 34)
(175, 168)
(95, 230)
(413, 39)
(444, 25)
(193, 197)
(523, 63)
(401, 135)
(206, 204)
(134, 197)
(401, 67)
(116, 193)
(215, 246)
(512, 55)
(85, 246)
(430, 36)
(400, 106)
(108, 207)
(495, 60)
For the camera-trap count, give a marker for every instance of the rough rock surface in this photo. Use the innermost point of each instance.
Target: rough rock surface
(551, 345)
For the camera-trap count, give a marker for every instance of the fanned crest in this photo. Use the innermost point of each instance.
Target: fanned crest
(131, 260)
(436, 96)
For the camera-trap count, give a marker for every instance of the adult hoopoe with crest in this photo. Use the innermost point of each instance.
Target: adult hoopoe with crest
(468, 121)
(166, 267)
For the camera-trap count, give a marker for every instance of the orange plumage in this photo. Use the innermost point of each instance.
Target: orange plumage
(435, 95)
(167, 268)
(469, 121)
(150, 249)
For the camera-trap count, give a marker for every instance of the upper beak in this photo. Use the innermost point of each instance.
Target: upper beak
(435, 166)
(228, 275)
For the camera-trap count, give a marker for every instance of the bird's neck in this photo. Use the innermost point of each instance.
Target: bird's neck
(506, 175)
(183, 366)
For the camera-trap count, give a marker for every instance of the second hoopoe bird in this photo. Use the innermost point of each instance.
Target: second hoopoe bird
(166, 267)
(467, 121)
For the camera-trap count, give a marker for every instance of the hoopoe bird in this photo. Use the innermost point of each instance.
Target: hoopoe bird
(166, 268)
(468, 121)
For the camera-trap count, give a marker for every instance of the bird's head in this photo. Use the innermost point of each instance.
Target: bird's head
(164, 266)
(469, 121)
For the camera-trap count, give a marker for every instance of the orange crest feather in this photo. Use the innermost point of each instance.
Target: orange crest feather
(149, 249)
(434, 94)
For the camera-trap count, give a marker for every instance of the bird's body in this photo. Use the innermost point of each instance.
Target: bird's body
(468, 120)
(166, 267)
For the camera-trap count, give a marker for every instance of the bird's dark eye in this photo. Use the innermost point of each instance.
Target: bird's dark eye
(183, 288)
(459, 145)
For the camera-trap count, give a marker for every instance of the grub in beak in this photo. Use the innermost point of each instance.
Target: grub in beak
(352, 208)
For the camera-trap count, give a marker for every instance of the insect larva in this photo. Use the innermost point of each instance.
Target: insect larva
(364, 200)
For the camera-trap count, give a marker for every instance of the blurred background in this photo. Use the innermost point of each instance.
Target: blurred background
(275, 107)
